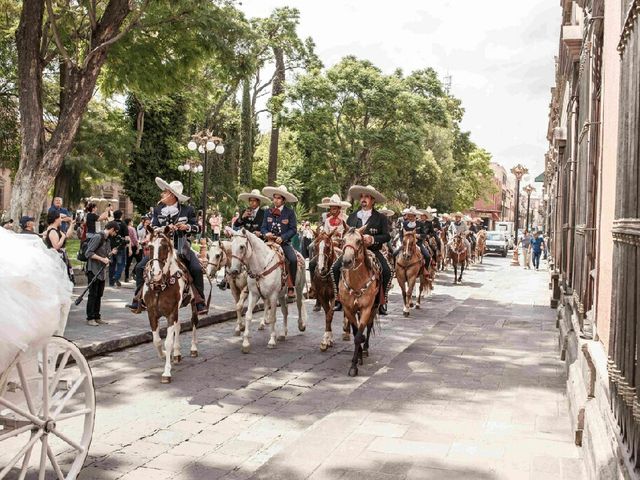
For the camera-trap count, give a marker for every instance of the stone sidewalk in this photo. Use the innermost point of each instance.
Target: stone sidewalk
(468, 387)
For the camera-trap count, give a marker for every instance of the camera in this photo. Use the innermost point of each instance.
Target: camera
(118, 242)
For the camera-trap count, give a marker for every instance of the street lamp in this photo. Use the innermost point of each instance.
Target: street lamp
(191, 166)
(518, 171)
(205, 142)
(529, 189)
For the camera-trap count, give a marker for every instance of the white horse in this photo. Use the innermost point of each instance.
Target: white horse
(218, 258)
(265, 273)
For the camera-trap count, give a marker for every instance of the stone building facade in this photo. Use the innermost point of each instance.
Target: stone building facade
(591, 199)
(500, 205)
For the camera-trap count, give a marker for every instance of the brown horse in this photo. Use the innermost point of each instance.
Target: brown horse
(444, 251)
(167, 288)
(481, 244)
(358, 289)
(408, 268)
(458, 257)
(322, 281)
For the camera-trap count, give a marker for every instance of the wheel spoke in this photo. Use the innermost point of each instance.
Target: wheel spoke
(43, 457)
(56, 377)
(16, 432)
(25, 462)
(77, 413)
(62, 436)
(15, 459)
(25, 388)
(21, 412)
(45, 381)
(54, 463)
(69, 394)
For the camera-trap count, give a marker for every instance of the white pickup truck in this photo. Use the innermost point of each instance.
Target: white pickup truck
(506, 228)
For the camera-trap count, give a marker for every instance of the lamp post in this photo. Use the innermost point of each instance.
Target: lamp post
(191, 166)
(205, 142)
(518, 171)
(529, 189)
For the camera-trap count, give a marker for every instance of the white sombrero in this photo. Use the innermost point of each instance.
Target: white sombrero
(282, 191)
(427, 212)
(457, 214)
(386, 212)
(174, 187)
(255, 193)
(411, 211)
(334, 201)
(356, 190)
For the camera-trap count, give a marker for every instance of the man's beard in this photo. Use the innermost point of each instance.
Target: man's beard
(365, 205)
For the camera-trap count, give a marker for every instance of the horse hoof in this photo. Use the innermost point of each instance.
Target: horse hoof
(261, 327)
(177, 358)
(237, 333)
(365, 353)
(194, 353)
(360, 361)
(271, 345)
(281, 338)
(418, 307)
(406, 314)
(346, 337)
(164, 379)
(246, 349)
(411, 305)
(302, 328)
(323, 347)
(353, 371)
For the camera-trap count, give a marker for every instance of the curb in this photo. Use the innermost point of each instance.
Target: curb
(103, 348)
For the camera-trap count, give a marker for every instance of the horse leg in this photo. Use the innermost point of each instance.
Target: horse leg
(412, 286)
(357, 343)
(461, 272)
(365, 350)
(403, 289)
(327, 339)
(284, 308)
(240, 297)
(246, 346)
(346, 336)
(194, 337)
(168, 348)
(177, 356)
(455, 272)
(302, 308)
(272, 320)
(155, 331)
(266, 316)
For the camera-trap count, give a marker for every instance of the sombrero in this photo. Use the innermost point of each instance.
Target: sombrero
(457, 214)
(334, 201)
(411, 211)
(282, 191)
(174, 187)
(427, 213)
(356, 190)
(385, 211)
(255, 193)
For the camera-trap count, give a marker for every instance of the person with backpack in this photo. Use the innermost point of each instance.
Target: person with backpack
(122, 242)
(97, 254)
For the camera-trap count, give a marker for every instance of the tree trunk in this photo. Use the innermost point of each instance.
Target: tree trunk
(40, 161)
(277, 89)
(246, 125)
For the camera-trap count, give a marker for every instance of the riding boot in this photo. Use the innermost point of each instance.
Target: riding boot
(137, 303)
(338, 306)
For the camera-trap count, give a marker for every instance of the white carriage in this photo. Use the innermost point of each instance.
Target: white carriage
(47, 397)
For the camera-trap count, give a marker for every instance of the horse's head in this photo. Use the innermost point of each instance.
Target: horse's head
(353, 248)
(324, 251)
(160, 253)
(217, 257)
(408, 243)
(240, 251)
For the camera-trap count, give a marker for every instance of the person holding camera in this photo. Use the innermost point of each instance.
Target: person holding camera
(121, 242)
(98, 252)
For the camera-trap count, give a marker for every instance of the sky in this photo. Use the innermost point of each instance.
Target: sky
(499, 54)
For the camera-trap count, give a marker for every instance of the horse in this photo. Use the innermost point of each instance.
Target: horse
(471, 239)
(481, 245)
(444, 258)
(458, 256)
(219, 257)
(359, 285)
(267, 280)
(408, 268)
(322, 281)
(167, 288)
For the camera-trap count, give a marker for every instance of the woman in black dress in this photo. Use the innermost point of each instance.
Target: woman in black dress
(56, 239)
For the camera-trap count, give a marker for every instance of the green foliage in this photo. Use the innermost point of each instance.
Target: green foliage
(161, 149)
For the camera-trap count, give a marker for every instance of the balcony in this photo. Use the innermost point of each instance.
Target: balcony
(572, 40)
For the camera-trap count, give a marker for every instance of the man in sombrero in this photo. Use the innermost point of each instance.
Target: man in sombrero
(411, 224)
(376, 234)
(459, 227)
(332, 222)
(280, 225)
(173, 211)
(252, 217)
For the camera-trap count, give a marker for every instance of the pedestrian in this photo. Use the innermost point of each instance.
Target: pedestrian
(56, 206)
(98, 253)
(28, 225)
(91, 220)
(525, 245)
(55, 239)
(307, 238)
(134, 252)
(215, 220)
(120, 241)
(537, 244)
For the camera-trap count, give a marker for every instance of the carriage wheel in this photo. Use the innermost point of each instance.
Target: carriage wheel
(47, 413)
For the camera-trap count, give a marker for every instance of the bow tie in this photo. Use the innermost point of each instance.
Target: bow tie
(275, 212)
(335, 221)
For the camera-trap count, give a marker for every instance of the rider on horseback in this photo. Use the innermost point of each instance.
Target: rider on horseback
(172, 211)
(459, 227)
(280, 226)
(426, 220)
(411, 224)
(334, 221)
(376, 234)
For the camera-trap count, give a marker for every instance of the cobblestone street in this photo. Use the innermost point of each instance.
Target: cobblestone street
(469, 387)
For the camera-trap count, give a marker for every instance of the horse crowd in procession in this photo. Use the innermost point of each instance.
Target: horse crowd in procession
(353, 259)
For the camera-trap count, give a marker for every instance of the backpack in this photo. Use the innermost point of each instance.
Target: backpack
(82, 251)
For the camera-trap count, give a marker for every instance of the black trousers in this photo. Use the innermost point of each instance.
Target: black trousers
(292, 259)
(386, 271)
(192, 264)
(94, 299)
(137, 254)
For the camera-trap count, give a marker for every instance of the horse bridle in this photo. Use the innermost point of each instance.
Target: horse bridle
(164, 280)
(330, 258)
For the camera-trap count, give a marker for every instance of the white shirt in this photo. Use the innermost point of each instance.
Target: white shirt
(170, 210)
(364, 216)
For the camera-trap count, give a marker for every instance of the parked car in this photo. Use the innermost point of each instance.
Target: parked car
(497, 242)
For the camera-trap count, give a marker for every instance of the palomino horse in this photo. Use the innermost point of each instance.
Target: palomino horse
(408, 268)
(458, 256)
(267, 280)
(218, 258)
(322, 282)
(167, 288)
(359, 285)
(481, 245)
